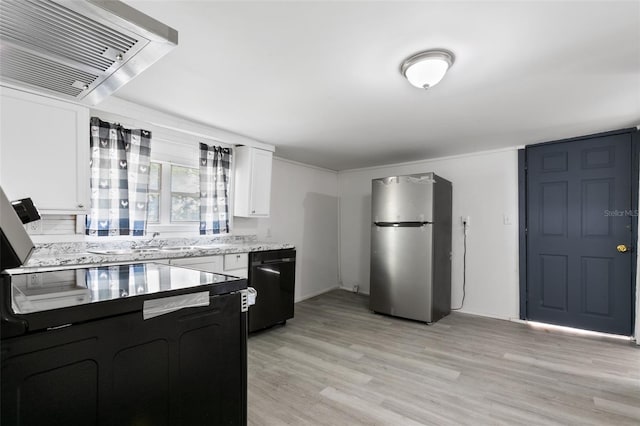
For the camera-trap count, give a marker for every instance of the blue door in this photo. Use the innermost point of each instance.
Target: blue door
(580, 233)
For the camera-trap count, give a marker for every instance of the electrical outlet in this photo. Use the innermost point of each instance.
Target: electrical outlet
(34, 227)
(465, 220)
(81, 221)
(34, 280)
(356, 288)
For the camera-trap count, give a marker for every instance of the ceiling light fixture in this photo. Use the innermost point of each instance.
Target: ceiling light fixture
(425, 69)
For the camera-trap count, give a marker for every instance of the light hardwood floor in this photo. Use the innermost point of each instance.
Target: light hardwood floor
(336, 363)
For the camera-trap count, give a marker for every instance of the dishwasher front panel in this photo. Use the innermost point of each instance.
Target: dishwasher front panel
(272, 274)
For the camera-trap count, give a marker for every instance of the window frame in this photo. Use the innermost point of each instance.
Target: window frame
(159, 192)
(184, 194)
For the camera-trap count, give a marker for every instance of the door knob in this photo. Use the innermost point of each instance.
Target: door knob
(622, 248)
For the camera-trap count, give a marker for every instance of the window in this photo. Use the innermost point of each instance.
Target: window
(185, 194)
(174, 194)
(173, 197)
(155, 179)
(175, 203)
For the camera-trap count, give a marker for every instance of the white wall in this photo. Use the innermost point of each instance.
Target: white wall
(304, 212)
(485, 187)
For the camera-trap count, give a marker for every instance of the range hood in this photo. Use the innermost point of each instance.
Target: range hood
(77, 50)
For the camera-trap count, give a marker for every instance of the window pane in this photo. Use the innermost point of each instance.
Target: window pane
(185, 179)
(153, 213)
(185, 208)
(155, 171)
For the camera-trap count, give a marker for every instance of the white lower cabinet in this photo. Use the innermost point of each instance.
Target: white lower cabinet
(234, 264)
(207, 264)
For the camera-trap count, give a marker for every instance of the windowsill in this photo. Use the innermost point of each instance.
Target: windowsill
(182, 228)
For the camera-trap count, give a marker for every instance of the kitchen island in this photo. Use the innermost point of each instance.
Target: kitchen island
(145, 344)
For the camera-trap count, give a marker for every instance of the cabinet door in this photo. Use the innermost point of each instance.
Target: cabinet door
(211, 387)
(207, 264)
(252, 177)
(183, 368)
(233, 264)
(260, 182)
(44, 152)
(49, 381)
(236, 264)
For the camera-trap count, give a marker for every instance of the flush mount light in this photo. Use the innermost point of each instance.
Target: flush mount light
(426, 69)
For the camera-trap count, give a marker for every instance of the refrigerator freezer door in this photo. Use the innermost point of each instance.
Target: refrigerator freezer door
(402, 199)
(401, 271)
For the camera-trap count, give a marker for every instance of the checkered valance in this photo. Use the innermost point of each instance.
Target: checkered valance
(215, 170)
(119, 163)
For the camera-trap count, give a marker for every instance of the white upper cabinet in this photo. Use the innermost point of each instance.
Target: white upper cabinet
(44, 152)
(253, 182)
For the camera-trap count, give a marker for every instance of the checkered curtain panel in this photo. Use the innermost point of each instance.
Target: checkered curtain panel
(119, 163)
(215, 169)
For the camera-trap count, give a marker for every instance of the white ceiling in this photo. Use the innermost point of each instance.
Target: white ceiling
(321, 80)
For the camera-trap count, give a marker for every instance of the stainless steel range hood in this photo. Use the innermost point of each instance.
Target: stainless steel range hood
(77, 50)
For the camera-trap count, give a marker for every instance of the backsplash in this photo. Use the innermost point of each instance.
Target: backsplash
(54, 225)
(73, 227)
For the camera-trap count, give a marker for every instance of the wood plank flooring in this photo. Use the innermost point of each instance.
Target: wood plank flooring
(336, 363)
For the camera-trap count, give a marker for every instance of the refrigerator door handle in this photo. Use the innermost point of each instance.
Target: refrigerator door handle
(402, 224)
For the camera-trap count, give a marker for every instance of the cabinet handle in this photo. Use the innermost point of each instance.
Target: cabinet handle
(253, 211)
(81, 206)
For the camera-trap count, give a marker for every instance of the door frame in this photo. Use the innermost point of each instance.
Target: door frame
(522, 213)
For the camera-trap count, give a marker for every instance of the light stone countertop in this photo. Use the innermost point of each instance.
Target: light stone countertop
(65, 255)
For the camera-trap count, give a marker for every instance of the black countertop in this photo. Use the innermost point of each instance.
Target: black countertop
(41, 300)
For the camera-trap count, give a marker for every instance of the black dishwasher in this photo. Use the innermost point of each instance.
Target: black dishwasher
(273, 274)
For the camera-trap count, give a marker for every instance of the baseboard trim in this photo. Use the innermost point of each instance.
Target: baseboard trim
(351, 291)
(317, 293)
(461, 311)
(486, 315)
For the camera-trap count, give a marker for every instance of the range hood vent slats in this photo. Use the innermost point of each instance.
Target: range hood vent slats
(58, 46)
(19, 66)
(81, 56)
(37, 63)
(35, 31)
(34, 80)
(93, 28)
(65, 21)
(58, 34)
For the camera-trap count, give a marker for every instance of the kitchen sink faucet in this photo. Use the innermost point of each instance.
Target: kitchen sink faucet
(150, 243)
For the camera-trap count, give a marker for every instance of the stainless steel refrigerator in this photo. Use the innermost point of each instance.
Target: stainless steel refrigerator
(411, 247)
